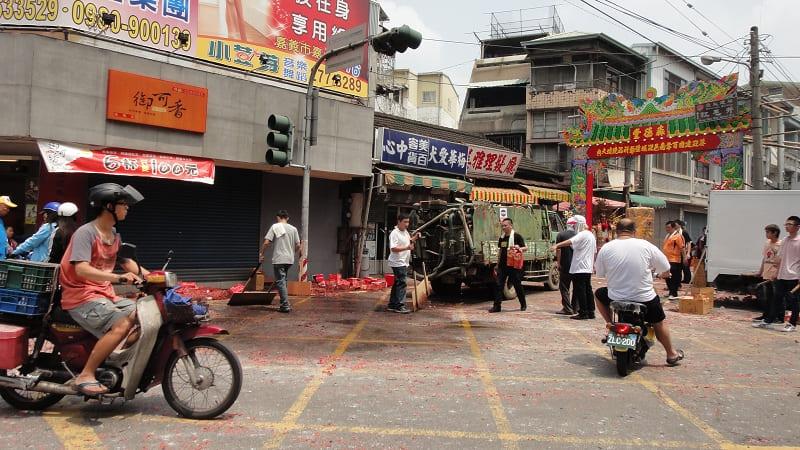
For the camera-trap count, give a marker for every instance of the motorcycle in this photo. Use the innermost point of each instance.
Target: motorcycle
(200, 377)
(629, 336)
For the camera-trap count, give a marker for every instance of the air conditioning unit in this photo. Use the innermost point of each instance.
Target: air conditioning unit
(564, 86)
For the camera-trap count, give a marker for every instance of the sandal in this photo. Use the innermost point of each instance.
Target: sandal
(83, 388)
(676, 361)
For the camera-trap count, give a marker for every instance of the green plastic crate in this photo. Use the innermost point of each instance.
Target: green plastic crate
(28, 275)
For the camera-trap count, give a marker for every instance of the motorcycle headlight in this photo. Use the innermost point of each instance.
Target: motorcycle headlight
(171, 279)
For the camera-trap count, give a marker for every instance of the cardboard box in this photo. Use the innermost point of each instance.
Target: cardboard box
(298, 287)
(256, 282)
(695, 305)
(703, 292)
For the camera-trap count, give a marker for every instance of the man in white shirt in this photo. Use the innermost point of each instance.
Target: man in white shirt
(626, 264)
(584, 244)
(785, 280)
(286, 243)
(401, 244)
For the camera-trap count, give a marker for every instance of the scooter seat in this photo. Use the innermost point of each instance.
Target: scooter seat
(634, 307)
(60, 316)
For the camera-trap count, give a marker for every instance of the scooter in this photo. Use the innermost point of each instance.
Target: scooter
(629, 336)
(200, 377)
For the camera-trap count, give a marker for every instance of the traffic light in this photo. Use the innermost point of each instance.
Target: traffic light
(397, 39)
(280, 140)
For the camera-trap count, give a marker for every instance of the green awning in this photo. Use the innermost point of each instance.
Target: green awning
(430, 181)
(636, 200)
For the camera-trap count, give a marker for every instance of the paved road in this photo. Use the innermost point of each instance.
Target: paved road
(342, 372)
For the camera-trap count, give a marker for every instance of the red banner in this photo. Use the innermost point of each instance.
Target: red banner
(654, 146)
(60, 157)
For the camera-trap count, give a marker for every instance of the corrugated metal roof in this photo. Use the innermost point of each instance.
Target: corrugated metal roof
(499, 83)
(434, 131)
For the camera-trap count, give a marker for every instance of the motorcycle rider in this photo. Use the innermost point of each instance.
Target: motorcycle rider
(39, 244)
(86, 277)
(626, 264)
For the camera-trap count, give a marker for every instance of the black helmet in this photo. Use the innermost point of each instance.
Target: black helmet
(103, 194)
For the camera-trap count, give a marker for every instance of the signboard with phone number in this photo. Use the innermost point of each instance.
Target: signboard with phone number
(166, 24)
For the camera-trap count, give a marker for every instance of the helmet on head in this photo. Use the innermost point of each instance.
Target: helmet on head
(67, 209)
(52, 206)
(105, 193)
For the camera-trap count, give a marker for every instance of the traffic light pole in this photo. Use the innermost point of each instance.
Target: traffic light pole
(307, 137)
(388, 42)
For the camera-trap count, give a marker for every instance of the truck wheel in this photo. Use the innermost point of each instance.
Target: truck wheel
(446, 289)
(553, 278)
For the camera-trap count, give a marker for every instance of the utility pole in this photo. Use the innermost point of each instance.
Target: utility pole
(755, 111)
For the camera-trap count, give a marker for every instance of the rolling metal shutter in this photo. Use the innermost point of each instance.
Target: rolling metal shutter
(212, 229)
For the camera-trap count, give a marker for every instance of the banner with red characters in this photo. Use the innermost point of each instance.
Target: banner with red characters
(59, 157)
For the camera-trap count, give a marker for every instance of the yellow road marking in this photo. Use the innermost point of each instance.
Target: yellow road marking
(69, 432)
(493, 397)
(284, 427)
(291, 416)
(723, 350)
(712, 433)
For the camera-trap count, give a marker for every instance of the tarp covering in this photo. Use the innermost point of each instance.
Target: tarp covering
(491, 194)
(400, 178)
(636, 200)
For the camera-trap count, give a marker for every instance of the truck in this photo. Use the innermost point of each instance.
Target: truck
(459, 243)
(736, 221)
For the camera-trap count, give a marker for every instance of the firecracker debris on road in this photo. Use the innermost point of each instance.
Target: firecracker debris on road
(340, 371)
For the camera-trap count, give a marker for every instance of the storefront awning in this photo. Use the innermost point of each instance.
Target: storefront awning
(490, 194)
(75, 158)
(555, 195)
(400, 178)
(636, 200)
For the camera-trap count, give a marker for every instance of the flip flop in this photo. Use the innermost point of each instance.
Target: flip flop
(676, 361)
(82, 388)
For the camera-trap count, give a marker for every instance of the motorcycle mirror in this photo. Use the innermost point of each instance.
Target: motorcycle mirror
(168, 259)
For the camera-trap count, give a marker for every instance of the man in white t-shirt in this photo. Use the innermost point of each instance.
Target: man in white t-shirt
(286, 243)
(400, 244)
(785, 280)
(626, 264)
(584, 244)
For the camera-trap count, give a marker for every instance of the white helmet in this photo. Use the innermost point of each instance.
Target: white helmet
(67, 209)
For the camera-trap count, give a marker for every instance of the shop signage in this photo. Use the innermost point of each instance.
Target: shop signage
(66, 158)
(422, 152)
(159, 24)
(151, 101)
(281, 39)
(716, 110)
(652, 146)
(492, 163)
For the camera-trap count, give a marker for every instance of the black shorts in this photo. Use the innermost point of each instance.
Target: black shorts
(654, 314)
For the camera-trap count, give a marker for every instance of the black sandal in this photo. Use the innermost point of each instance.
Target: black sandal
(676, 361)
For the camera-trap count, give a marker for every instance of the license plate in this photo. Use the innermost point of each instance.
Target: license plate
(621, 340)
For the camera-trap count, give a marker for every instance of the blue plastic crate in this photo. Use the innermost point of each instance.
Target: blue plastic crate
(24, 303)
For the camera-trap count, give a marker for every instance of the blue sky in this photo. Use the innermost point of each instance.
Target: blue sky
(726, 24)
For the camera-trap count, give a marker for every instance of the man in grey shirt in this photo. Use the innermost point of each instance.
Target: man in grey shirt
(287, 242)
